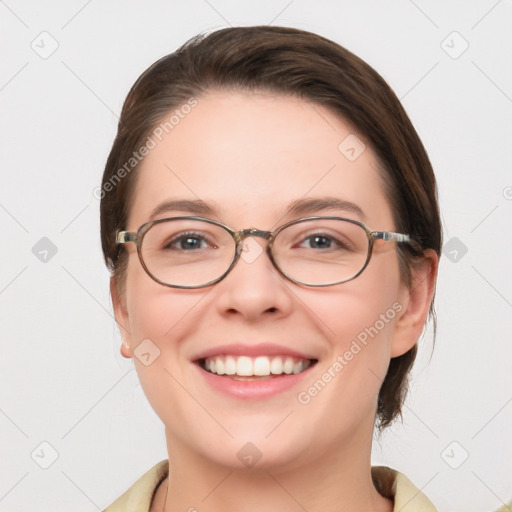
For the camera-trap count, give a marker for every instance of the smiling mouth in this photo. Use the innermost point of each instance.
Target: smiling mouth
(254, 368)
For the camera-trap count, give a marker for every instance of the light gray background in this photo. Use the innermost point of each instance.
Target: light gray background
(64, 382)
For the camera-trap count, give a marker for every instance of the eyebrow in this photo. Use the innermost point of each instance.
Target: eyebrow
(313, 205)
(305, 206)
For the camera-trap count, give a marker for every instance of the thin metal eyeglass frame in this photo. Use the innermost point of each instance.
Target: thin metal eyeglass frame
(239, 236)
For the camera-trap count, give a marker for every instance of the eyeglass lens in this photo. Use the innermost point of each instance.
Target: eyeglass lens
(193, 253)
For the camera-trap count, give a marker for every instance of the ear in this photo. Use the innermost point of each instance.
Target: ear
(415, 301)
(121, 315)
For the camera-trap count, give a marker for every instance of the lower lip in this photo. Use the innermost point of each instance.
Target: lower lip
(252, 389)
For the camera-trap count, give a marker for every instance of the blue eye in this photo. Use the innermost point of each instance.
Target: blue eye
(186, 242)
(319, 242)
(322, 241)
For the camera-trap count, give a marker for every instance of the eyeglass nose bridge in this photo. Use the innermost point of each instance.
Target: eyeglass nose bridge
(241, 235)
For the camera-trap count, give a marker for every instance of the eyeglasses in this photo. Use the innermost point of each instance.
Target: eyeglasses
(195, 252)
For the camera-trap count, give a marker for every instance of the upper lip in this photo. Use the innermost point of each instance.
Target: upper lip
(251, 350)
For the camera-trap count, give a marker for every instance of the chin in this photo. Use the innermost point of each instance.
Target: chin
(254, 449)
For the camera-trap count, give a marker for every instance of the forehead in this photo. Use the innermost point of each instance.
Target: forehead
(250, 155)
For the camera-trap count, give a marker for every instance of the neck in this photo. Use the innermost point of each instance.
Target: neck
(332, 481)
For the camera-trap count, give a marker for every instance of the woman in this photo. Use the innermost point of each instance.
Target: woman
(270, 219)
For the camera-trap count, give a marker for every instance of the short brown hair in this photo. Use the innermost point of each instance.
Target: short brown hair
(297, 63)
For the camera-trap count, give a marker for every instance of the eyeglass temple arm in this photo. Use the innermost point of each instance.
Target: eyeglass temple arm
(396, 237)
(389, 235)
(124, 236)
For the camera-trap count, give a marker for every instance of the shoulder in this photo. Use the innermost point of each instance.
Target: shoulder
(140, 495)
(396, 486)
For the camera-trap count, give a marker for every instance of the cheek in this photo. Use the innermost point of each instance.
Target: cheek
(158, 312)
(362, 309)
(358, 320)
(160, 318)
(361, 331)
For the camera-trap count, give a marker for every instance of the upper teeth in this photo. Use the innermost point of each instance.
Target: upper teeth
(245, 366)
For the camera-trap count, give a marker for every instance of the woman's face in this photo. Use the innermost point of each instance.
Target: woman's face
(249, 157)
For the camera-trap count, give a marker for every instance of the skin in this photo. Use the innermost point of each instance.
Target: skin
(250, 155)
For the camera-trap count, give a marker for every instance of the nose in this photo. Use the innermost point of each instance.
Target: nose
(254, 289)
